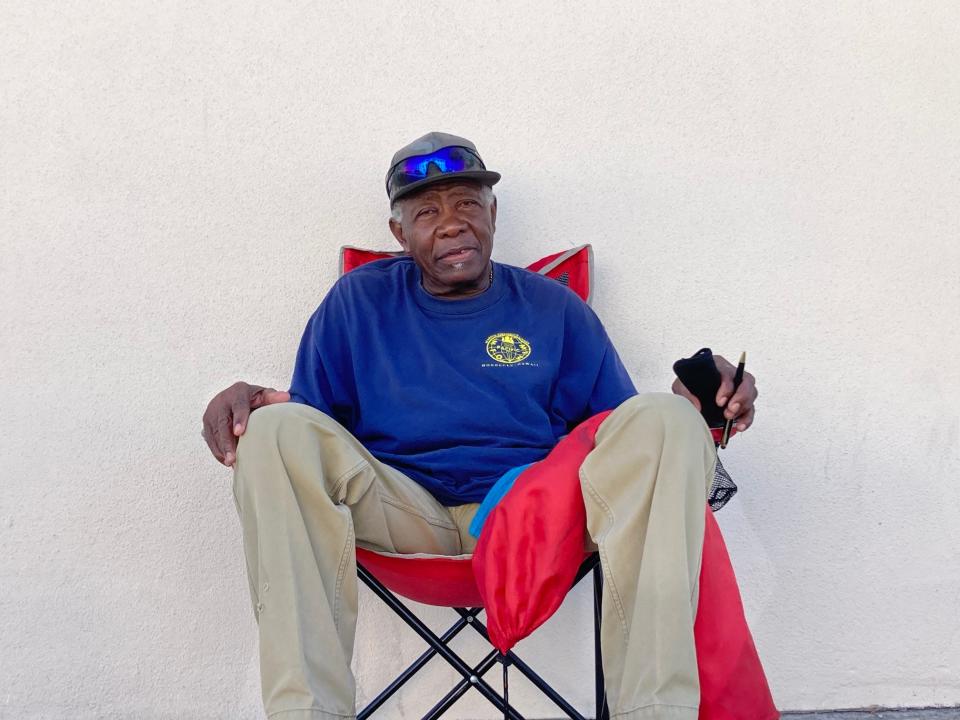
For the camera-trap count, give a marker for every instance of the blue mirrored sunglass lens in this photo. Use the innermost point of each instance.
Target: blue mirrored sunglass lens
(445, 160)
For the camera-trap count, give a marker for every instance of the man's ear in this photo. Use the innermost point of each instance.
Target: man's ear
(397, 229)
(493, 212)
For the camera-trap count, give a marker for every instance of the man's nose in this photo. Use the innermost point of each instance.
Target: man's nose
(451, 223)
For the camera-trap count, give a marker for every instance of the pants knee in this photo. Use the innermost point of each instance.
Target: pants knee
(267, 426)
(673, 412)
(292, 442)
(263, 426)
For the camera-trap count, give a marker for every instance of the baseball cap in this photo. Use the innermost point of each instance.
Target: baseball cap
(435, 157)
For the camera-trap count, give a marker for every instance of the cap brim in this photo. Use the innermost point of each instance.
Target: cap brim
(485, 177)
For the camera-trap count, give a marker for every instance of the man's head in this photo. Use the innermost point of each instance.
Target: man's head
(443, 212)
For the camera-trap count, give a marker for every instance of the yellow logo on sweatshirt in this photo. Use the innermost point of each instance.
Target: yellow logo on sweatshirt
(508, 348)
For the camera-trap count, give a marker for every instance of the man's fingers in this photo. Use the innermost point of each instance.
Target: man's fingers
(745, 420)
(728, 372)
(228, 413)
(743, 398)
(247, 403)
(680, 389)
(209, 438)
(240, 409)
(726, 387)
(268, 396)
(226, 440)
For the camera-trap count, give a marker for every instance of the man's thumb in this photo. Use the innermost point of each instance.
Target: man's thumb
(275, 396)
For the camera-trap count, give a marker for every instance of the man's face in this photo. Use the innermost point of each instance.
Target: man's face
(448, 231)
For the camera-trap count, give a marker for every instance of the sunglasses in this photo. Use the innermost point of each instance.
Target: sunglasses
(446, 160)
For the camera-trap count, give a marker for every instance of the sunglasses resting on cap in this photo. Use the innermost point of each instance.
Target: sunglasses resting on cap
(435, 157)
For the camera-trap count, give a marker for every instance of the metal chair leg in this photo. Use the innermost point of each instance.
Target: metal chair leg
(461, 688)
(530, 674)
(417, 665)
(472, 677)
(428, 636)
(603, 712)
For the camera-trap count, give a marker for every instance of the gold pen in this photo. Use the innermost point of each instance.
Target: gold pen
(737, 379)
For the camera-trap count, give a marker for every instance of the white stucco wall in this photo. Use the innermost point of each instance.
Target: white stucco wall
(176, 178)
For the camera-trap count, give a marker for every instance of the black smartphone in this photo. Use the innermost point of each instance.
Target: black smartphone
(700, 376)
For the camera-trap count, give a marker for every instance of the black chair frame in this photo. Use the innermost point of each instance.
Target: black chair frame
(472, 676)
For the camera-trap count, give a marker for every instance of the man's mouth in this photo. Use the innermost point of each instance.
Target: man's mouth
(458, 255)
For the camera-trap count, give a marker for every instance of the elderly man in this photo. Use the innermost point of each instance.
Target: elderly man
(419, 381)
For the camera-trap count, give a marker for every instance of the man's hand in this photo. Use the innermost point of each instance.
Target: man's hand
(226, 417)
(741, 406)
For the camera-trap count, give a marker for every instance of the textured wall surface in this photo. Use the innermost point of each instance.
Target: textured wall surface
(175, 180)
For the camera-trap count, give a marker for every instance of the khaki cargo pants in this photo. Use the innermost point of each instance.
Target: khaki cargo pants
(308, 492)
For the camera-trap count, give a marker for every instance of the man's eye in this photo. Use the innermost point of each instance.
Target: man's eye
(424, 211)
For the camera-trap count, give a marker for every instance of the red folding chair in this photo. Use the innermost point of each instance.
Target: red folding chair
(733, 686)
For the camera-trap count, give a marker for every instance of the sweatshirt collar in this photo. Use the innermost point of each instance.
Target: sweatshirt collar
(463, 306)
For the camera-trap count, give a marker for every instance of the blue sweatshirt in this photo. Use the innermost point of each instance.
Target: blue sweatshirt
(455, 392)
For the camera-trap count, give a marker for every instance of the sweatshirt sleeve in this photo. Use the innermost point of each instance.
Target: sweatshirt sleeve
(592, 377)
(323, 375)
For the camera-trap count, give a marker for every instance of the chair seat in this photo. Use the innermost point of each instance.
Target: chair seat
(447, 581)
